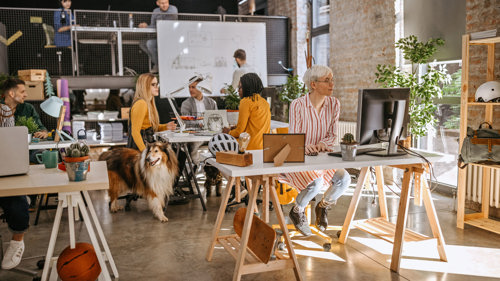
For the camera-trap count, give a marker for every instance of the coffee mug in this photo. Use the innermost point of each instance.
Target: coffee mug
(48, 158)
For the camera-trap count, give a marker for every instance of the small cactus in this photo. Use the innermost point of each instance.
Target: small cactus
(348, 139)
(77, 150)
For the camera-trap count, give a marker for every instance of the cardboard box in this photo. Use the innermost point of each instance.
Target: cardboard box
(35, 90)
(125, 112)
(32, 74)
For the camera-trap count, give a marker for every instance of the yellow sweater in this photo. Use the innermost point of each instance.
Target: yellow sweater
(255, 119)
(139, 120)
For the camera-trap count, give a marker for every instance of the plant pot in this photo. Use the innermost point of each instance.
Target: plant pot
(232, 117)
(77, 167)
(348, 151)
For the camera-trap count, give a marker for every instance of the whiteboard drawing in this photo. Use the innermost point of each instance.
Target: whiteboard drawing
(198, 39)
(220, 62)
(189, 47)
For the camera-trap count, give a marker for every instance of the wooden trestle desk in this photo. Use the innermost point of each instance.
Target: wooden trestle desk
(265, 173)
(41, 180)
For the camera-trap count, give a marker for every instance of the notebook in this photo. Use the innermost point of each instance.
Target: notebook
(14, 150)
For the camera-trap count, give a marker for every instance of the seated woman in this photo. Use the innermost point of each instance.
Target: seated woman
(316, 114)
(255, 114)
(144, 120)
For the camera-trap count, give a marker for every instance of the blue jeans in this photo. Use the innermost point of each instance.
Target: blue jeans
(150, 47)
(16, 213)
(338, 185)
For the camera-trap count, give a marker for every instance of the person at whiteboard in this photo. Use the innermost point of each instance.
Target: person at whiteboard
(165, 11)
(240, 58)
(255, 114)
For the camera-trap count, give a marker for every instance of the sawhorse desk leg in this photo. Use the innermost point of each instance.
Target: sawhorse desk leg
(241, 268)
(70, 200)
(400, 227)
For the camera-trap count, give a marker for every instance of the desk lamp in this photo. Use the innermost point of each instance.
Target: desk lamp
(170, 96)
(54, 107)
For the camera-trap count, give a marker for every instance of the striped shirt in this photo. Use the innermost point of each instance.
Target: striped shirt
(319, 127)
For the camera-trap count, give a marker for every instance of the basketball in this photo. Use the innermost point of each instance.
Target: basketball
(78, 264)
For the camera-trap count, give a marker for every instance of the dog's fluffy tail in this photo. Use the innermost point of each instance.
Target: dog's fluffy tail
(105, 155)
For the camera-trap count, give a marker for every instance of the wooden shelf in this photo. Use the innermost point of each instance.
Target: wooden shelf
(476, 219)
(231, 244)
(484, 41)
(483, 103)
(485, 223)
(385, 230)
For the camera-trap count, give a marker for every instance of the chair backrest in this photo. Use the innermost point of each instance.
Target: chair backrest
(49, 35)
(282, 130)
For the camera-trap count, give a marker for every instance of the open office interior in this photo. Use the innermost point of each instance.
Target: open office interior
(401, 217)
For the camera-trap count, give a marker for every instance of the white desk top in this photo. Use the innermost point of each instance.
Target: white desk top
(172, 138)
(49, 144)
(41, 180)
(278, 124)
(321, 162)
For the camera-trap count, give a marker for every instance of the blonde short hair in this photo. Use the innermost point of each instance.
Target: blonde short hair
(314, 73)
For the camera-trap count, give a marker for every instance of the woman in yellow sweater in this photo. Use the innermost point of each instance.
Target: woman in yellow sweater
(255, 114)
(144, 120)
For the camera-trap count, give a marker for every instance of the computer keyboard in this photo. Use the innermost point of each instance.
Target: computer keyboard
(359, 151)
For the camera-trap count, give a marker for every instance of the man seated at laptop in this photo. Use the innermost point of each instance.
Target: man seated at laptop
(13, 95)
(15, 208)
(196, 106)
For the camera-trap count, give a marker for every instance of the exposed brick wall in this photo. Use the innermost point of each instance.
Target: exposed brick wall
(482, 15)
(361, 37)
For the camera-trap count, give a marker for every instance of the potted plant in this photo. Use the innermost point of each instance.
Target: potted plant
(348, 147)
(424, 87)
(29, 123)
(290, 91)
(232, 102)
(77, 161)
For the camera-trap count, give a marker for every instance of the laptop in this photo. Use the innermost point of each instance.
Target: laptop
(14, 150)
(213, 116)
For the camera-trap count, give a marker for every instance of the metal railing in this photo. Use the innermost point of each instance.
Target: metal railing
(104, 42)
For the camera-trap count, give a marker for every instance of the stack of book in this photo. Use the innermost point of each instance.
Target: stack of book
(483, 34)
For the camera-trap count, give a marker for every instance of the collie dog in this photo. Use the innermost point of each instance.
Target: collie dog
(150, 174)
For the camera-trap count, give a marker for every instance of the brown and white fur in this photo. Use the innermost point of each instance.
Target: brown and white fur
(150, 174)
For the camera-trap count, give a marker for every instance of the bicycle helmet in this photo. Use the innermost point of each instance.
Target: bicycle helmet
(222, 142)
(489, 91)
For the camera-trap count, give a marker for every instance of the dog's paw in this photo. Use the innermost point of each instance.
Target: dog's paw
(163, 219)
(115, 209)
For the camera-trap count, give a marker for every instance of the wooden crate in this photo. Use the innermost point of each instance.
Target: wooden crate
(34, 90)
(32, 74)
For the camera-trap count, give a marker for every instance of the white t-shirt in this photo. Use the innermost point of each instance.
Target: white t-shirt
(200, 106)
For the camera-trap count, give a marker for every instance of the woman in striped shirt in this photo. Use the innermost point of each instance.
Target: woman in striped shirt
(316, 114)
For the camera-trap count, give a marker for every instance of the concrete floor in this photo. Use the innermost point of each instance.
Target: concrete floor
(145, 249)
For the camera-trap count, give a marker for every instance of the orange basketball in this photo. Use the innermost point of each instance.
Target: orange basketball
(78, 264)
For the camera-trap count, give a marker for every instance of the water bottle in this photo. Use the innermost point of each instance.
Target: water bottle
(130, 21)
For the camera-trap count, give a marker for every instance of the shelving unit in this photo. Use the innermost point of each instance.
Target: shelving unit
(480, 219)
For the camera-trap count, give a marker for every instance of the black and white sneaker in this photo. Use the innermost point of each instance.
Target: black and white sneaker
(300, 222)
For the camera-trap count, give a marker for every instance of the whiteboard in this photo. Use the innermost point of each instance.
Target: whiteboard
(186, 48)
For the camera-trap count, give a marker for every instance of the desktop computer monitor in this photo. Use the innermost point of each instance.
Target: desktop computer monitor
(383, 117)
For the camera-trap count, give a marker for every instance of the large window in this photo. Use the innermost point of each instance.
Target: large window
(320, 43)
(443, 137)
